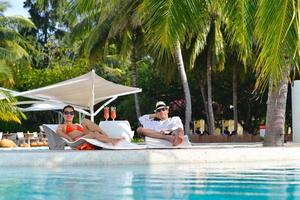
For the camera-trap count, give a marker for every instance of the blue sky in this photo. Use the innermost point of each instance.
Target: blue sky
(16, 8)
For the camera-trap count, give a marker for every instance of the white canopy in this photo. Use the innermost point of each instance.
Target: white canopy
(43, 106)
(83, 91)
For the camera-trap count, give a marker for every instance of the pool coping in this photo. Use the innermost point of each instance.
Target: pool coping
(202, 153)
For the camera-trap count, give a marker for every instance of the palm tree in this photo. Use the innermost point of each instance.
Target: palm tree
(168, 24)
(13, 51)
(239, 15)
(210, 40)
(122, 29)
(277, 32)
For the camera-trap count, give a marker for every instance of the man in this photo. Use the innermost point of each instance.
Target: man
(159, 125)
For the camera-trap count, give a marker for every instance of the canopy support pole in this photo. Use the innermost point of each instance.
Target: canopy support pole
(93, 96)
(105, 104)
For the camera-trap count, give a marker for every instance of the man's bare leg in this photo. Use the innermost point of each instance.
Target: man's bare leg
(155, 134)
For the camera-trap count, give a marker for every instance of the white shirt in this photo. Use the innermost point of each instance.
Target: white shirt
(169, 124)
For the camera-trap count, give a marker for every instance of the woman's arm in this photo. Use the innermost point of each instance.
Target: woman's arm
(61, 133)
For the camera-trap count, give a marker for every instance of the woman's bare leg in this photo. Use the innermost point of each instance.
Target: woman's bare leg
(103, 138)
(91, 126)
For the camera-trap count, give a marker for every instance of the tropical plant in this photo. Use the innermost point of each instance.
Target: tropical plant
(13, 51)
(51, 22)
(277, 33)
(168, 24)
(239, 20)
(210, 43)
(122, 29)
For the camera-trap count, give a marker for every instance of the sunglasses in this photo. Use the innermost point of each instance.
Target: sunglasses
(68, 113)
(159, 110)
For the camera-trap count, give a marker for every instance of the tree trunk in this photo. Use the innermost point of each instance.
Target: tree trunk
(276, 107)
(45, 39)
(234, 96)
(211, 126)
(186, 89)
(134, 76)
(203, 94)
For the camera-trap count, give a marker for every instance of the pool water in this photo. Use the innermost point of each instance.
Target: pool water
(152, 182)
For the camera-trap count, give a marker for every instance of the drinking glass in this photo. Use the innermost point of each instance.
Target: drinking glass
(106, 113)
(113, 113)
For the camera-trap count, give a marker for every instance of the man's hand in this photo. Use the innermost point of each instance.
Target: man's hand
(153, 115)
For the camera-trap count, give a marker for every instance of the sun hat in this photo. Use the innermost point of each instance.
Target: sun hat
(159, 105)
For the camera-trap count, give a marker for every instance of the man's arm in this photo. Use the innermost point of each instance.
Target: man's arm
(146, 118)
(152, 116)
(61, 133)
(176, 123)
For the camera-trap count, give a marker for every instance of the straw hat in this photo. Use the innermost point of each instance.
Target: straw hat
(159, 105)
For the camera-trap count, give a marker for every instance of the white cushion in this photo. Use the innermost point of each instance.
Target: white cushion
(116, 129)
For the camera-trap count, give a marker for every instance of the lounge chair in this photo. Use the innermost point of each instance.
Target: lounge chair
(56, 142)
(160, 143)
(20, 138)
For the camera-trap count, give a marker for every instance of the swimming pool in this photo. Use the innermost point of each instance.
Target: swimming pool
(152, 182)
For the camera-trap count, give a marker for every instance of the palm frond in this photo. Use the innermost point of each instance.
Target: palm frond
(6, 54)
(196, 46)
(3, 6)
(97, 39)
(17, 50)
(16, 22)
(9, 112)
(5, 71)
(217, 46)
(83, 27)
(126, 44)
(277, 40)
(168, 21)
(85, 6)
(240, 20)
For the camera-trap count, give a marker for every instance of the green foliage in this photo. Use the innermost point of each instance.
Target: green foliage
(13, 51)
(278, 40)
(240, 26)
(51, 26)
(8, 112)
(30, 78)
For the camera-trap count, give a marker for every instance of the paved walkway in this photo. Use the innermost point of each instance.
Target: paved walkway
(198, 154)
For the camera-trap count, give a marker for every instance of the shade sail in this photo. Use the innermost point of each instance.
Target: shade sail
(42, 107)
(83, 92)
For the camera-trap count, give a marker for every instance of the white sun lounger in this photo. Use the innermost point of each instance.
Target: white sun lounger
(122, 145)
(56, 142)
(164, 144)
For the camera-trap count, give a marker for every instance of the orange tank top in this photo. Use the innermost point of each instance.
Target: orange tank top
(70, 128)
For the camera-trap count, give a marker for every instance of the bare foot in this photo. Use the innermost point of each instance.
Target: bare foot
(171, 138)
(178, 139)
(116, 141)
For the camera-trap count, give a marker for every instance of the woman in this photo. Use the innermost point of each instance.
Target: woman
(87, 129)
